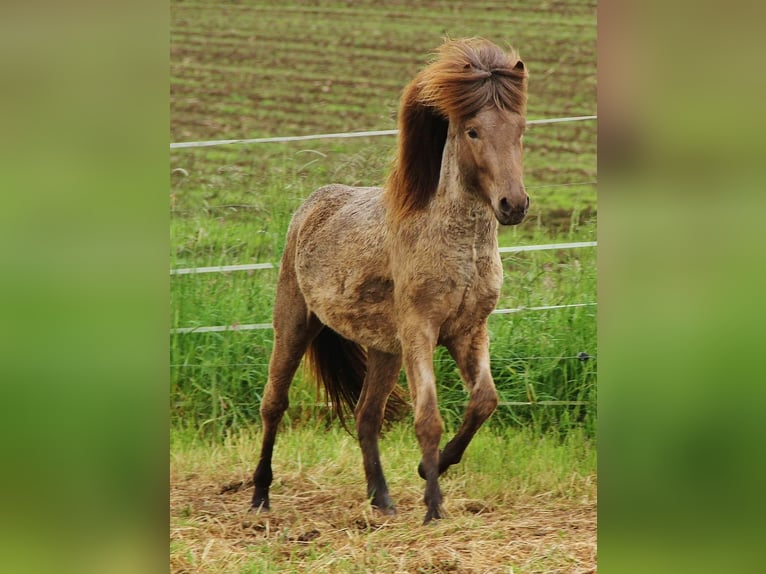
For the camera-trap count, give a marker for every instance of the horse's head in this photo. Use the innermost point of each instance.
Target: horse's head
(489, 151)
(473, 99)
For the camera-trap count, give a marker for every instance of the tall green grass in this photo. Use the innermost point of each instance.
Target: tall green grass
(238, 213)
(232, 205)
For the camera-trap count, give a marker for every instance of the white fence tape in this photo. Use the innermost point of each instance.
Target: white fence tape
(541, 308)
(223, 268)
(440, 360)
(209, 143)
(220, 328)
(254, 266)
(258, 326)
(519, 248)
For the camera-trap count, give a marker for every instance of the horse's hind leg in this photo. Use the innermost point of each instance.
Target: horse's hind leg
(294, 329)
(382, 373)
(472, 358)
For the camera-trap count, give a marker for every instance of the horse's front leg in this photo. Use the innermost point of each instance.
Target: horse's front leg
(471, 353)
(418, 348)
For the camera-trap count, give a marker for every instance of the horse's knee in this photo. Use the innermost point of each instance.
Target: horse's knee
(428, 430)
(273, 405)
(485, 400)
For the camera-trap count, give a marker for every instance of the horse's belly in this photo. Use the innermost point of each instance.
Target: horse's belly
(342, 267)
(359, 310)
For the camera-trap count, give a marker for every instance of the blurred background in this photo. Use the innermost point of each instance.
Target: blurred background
(85, 171)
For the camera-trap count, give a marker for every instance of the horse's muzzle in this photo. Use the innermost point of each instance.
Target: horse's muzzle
(510, 214)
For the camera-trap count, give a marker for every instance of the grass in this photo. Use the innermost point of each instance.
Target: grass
(238, 212)
(519, 502)
(218, 378)
(523, 498)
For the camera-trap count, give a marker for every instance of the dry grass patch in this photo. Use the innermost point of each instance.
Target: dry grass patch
(321, 522)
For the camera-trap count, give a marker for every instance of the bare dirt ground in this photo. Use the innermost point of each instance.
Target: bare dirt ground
(321, 528)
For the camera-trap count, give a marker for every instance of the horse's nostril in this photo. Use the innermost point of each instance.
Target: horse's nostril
(527, 204)
(505, 206)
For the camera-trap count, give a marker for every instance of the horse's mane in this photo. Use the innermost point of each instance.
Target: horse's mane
(465, 77)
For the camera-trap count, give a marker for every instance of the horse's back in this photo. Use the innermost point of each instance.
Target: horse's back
(336, 212)
(342, 265)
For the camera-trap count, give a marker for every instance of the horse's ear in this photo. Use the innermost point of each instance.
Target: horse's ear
(422, 135)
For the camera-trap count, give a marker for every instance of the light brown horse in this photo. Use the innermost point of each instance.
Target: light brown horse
(373, 278)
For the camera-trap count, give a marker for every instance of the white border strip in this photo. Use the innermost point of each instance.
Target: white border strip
(210, 143)
(257, 326)
(253, 266)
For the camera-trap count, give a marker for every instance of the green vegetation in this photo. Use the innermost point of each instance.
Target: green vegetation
(238, 213)
(523, 498)
(300, 68)
(218, 377)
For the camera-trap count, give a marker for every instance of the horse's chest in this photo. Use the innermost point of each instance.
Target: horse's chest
(482, 290)
(474, 297)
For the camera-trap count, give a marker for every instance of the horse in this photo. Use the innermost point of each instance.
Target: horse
(373, 278)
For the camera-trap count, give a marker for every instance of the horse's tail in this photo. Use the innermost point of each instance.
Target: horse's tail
(340, 366)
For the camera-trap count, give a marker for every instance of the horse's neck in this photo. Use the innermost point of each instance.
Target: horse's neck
(455, 220)
(462, 213)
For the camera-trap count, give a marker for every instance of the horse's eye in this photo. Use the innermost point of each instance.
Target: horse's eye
(473, 134)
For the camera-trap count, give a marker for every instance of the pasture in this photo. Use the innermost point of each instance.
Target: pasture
(246, 70)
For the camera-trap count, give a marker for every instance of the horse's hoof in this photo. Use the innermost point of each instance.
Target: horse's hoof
(260, 509)
(431, 516)
(387, 511)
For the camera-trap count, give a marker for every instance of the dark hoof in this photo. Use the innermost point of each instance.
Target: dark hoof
(385, 511)
(431, 517)
(383, 505)
(259, 509)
